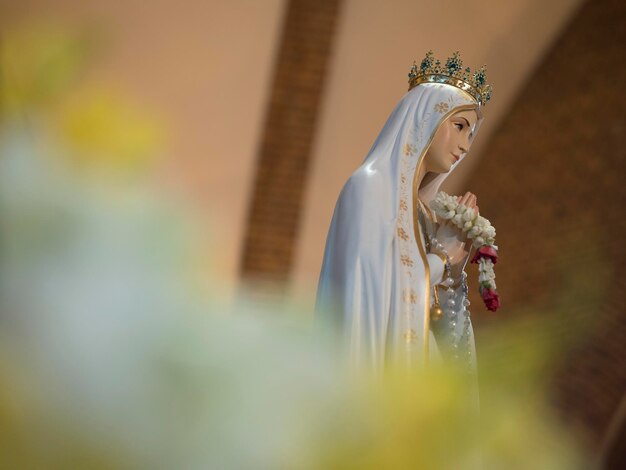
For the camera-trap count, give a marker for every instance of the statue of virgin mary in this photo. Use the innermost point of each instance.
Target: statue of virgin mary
(380, 275)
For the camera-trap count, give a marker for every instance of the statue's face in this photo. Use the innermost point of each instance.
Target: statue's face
(451, 142)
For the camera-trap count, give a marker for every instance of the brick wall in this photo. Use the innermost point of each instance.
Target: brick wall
(298, 83)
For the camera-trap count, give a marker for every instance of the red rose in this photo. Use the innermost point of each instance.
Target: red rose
(486, 251)
(491, 299)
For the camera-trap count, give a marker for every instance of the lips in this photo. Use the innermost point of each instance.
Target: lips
(456, 157)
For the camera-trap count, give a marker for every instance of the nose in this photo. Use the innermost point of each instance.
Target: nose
(464, 145)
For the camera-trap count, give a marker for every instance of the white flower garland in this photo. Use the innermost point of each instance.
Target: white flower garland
(486, 274)
(465, 218)
(478, 228)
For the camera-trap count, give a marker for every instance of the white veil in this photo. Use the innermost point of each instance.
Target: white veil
(375, 283)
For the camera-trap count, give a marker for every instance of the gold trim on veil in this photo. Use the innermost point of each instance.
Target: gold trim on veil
(417, 231)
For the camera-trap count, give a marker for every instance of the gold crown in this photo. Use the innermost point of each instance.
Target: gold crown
(452, 73)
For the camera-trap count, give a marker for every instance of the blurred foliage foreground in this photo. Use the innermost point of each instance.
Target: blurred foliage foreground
(111, 357)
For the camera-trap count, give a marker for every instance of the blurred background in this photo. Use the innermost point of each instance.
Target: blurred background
(160, 160)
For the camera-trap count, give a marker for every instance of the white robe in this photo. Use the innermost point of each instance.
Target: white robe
(376, 279)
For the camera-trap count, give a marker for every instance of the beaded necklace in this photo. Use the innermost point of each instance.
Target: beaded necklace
(461, 347)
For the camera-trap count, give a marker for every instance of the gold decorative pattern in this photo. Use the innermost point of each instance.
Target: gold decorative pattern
(409, 149)
(406, 260)
(410, 296)
(402, 234)
(441, 107)
(410, 336)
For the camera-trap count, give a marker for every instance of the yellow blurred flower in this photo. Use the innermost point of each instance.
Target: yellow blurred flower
(40, 81)
(104, 129)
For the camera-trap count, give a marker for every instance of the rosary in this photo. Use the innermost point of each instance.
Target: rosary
(461, 347)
